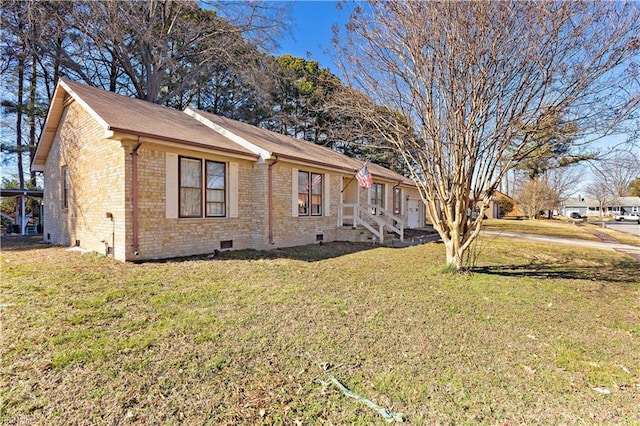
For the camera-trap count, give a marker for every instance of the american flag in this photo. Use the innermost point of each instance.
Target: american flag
(364, 177)
(315, 182)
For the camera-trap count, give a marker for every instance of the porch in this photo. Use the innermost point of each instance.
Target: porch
(368, 223)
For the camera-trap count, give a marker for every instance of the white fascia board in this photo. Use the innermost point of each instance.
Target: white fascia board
(263, 153)
(52, 122)
(84, 105)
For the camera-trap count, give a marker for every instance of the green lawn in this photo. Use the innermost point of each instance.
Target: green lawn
(535, 335)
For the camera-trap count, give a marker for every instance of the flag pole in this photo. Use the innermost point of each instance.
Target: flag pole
(353, 177)
(349, 183)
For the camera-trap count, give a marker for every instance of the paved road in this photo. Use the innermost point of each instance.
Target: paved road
(626, 227)
(626, 248)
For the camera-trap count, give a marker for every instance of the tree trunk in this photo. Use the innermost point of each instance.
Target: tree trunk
(21, 61)
(19, 108)
(33, 81)
(453, 252)
(456, 228)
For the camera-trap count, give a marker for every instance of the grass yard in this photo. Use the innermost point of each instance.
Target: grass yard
(556, 228)
(535, 335)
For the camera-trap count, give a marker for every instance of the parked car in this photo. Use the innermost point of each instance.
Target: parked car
(632, 217)
(575, 215)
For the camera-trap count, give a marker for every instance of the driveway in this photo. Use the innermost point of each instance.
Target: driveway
(625, 248)
(628, 227)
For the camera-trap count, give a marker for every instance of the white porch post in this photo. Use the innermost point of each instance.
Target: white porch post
(23, 222)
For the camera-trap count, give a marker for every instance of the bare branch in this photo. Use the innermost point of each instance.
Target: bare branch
(476, 80)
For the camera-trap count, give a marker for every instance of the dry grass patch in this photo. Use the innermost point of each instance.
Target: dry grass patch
(555, 228)
(561, 228)
(247, 338)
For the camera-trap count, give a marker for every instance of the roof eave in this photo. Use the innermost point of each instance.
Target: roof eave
(122, 134)
(49, 130)
(344, 169)
(56, 109)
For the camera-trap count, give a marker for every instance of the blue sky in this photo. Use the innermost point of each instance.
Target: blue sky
(310, 34)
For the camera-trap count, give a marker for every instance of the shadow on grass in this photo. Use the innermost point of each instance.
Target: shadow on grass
(307, 253)
(22, 242)
(622, 271)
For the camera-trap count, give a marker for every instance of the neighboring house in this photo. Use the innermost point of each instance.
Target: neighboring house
(137, 180)
(625, 206)
(515, 211)
(18, 223)
(578, 205)
(591, 207)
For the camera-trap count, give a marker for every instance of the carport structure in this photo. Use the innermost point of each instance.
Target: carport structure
(21, 220)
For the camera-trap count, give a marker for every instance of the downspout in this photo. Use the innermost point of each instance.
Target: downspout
(134, 193)
(393, 196)
(402, 209)
(270, 195)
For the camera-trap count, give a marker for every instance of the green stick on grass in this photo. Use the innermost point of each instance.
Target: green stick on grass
(389, 416)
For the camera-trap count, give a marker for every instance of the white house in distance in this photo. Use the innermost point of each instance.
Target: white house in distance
(586, 206)
(136, 181)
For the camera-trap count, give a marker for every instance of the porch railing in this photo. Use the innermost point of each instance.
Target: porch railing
(377, 223)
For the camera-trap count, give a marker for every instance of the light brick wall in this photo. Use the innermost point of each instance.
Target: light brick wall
(299, 230)
(96, 176)
(163, 237)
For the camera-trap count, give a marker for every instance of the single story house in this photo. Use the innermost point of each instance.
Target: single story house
(493, 212)
(138, 181)
(626, 205)
(586, 206)
(578, 205)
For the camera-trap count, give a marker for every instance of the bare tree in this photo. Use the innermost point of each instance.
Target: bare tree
(617, 171)
(634, 188)
(535, 196)
(160, 50)
(476, 81)
(600, 191)
(564, 181)
(545, 192)
(613, 175)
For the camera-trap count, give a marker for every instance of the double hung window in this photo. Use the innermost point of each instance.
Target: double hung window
(309, 194)
(377, 197)
(202, 180)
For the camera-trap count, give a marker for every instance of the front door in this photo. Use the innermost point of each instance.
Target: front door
(414, 208)
(349, 196)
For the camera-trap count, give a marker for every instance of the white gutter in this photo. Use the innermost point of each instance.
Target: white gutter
(263, 153)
